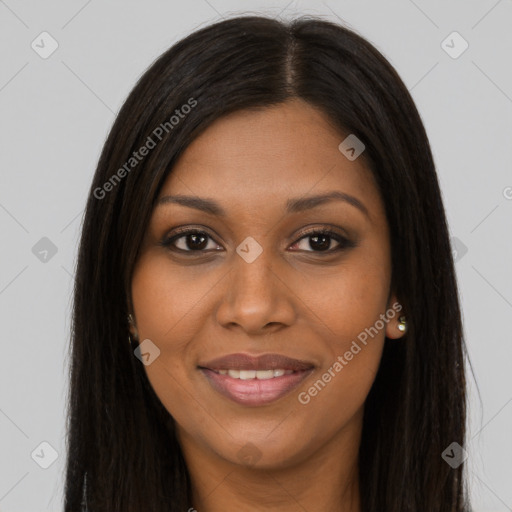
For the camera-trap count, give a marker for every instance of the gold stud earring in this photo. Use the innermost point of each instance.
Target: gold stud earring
(402, 326)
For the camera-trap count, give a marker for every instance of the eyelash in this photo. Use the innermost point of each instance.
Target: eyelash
(344, 242)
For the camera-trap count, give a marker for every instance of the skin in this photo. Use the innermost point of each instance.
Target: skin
(293, 299)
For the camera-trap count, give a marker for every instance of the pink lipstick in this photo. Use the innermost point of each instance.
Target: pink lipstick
(255, 380)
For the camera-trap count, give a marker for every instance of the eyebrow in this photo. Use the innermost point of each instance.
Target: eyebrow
(292, 205)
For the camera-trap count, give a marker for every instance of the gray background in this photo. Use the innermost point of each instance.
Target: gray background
(57, 111)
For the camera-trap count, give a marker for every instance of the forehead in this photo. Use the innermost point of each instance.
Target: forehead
(256, 158)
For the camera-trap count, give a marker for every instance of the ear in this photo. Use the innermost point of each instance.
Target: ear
(393, 312)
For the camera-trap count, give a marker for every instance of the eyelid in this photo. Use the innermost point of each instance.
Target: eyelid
(323, 228)
(191, 229)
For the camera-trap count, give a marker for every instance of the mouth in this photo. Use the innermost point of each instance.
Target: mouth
(255, 381)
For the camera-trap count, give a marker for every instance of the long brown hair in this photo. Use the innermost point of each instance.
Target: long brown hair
(122, 450)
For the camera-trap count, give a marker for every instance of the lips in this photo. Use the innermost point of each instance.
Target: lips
(243, 378)
(262, 362)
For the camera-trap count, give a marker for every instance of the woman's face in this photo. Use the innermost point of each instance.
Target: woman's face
(254, 280)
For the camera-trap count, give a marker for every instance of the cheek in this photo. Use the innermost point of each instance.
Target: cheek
(165, 305)
(345, 300)
(166, 299)
(352, 345)
(170, 306)
(348, 306)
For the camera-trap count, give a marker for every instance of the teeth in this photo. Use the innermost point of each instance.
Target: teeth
(265, 374)
(254, 374)
(247, 374)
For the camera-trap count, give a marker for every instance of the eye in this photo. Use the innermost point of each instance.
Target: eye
(197, 241)
(320, 240)
(189, 240)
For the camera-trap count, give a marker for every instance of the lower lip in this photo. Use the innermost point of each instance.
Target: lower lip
(254, 391)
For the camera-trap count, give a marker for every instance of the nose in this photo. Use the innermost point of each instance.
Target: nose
(258, 300)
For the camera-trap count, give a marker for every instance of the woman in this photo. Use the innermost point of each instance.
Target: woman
(266, 312)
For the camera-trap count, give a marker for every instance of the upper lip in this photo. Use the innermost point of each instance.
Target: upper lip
(261, 362)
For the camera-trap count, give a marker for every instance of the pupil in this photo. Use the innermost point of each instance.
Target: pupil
(193, 238)
(322, 245)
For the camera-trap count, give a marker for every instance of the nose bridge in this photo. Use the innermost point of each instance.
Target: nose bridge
(256, 296)
(254, 278)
